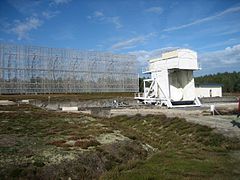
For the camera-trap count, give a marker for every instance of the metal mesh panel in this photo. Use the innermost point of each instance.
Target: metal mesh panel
(32, 69)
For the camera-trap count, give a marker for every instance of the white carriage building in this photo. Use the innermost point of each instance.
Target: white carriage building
(172, 82)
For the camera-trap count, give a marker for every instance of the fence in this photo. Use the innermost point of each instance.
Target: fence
(32, 69)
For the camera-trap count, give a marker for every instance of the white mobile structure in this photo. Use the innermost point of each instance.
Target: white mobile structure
(172, 82)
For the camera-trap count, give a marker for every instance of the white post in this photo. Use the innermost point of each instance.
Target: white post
(212, 109)
(144, 87)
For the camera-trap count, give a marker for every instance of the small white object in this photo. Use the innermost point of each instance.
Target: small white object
(212, 108)
(70, 108)
(25, 101)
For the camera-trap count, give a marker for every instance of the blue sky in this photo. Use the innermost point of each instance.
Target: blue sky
(140, 27)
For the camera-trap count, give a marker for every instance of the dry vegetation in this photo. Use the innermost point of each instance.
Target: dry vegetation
(67, 97)
(236, 94)
(38, 144)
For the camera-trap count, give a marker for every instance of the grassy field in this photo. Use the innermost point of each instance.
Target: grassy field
(35, 143)
(186, 151)
(67, 97)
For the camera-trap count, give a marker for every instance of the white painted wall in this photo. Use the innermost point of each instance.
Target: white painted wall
(163, 82)
(182, 59)
(173, 73)
(205, 91)
(181, 85)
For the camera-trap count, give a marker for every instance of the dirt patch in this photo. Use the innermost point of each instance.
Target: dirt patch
(100, 112)
(7, 140)
(54, 157)
(59, 143)
(109, 138)
(85, 143)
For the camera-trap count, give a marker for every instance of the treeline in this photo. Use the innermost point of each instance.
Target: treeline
(230, 81)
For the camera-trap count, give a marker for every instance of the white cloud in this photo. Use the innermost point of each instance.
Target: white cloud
(227, 28)
(133, 42)
(24, 6)
(115, 20)
(230, 56)
(100, 17)
(232, 30)
(143, 56)
(58, 2)
(50, 14)
(206, 19)
(225, 60)
(98, 14)
(22, 28)
(225, 43)
(130, 43)
(34, 16)
(163, 36)
(156, 10)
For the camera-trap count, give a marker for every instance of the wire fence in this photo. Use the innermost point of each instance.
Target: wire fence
(33, 69)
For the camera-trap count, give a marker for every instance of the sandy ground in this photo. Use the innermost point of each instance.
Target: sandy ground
(222, 124)
(6, 102)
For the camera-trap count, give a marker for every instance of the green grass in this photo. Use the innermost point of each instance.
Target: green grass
(186, 151)
(178, 165)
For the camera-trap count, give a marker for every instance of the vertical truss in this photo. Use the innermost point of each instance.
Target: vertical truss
(32, 69)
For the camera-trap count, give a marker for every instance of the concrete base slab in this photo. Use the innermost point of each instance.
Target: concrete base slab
(6, 102)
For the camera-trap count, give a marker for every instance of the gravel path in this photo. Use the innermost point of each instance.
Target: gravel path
(221, 123)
